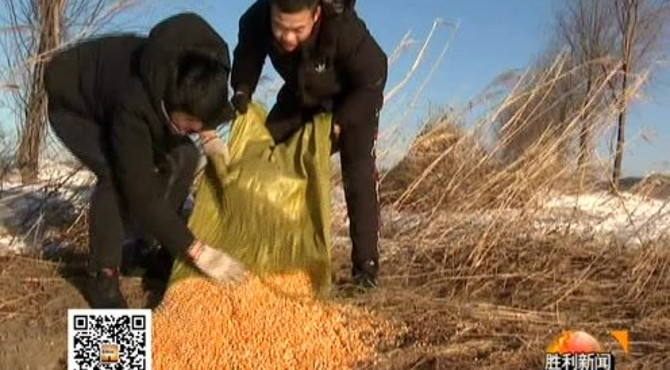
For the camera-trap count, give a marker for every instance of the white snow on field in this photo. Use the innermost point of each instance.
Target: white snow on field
(28, 212)
(51, 174)
(628, 218)
(10, 244)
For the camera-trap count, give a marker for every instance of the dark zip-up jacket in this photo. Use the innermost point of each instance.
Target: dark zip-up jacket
(120, 82)
(341, 63)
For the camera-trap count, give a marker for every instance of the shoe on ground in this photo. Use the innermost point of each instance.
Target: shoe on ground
(104, 290)
(365, 275)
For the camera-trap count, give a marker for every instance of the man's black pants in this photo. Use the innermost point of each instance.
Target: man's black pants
(108, 216)
(359, 174)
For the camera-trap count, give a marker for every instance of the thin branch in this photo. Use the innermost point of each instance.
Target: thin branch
(394, 90)
(436, 63)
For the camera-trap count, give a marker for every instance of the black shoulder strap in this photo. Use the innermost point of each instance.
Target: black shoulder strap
(337, 7)
(335, 14)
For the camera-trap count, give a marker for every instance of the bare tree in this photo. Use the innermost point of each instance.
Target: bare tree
(48, 35)
(587, 29)
(601, 35)
(38, 28)
(640, 24)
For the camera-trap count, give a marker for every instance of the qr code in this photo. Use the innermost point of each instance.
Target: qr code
(109, 339)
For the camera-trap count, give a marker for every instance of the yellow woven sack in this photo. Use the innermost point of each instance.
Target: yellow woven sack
(270, 206)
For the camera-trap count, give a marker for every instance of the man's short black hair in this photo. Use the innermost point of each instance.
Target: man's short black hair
(199, 87)
(294, 6)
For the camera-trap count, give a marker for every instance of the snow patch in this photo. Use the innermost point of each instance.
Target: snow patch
(29, 213)
(628, 218)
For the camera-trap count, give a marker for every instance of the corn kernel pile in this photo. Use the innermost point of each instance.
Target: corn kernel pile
(201, 325)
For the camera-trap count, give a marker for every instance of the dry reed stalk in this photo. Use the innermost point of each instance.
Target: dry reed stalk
(417, 62)
(506, 283)
(477, 267)
(469, 174)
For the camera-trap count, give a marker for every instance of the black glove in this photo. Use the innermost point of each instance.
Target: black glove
(365, 274)
(240, 101)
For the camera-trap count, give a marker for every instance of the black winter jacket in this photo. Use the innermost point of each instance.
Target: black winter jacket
(119, 82)
(341, 63)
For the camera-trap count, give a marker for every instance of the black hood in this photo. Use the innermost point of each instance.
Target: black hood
(170, 37)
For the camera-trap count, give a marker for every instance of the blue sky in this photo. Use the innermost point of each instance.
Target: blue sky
(493, 36)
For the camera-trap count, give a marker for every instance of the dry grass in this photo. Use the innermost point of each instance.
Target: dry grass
(653, 186)
(435, 160)
(475, 295)
(477, 283)
(450, 166)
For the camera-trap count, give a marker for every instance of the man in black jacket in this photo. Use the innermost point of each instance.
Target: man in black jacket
(329, 62)
(124, 105)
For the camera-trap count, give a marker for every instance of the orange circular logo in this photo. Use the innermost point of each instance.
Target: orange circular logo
(576, 349)
(575, 342)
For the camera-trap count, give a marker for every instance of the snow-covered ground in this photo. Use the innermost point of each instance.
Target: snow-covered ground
(27, 212)
(629, 218)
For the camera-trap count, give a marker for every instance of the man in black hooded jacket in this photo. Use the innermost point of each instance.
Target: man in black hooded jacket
(124, 105)
(330, 62)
